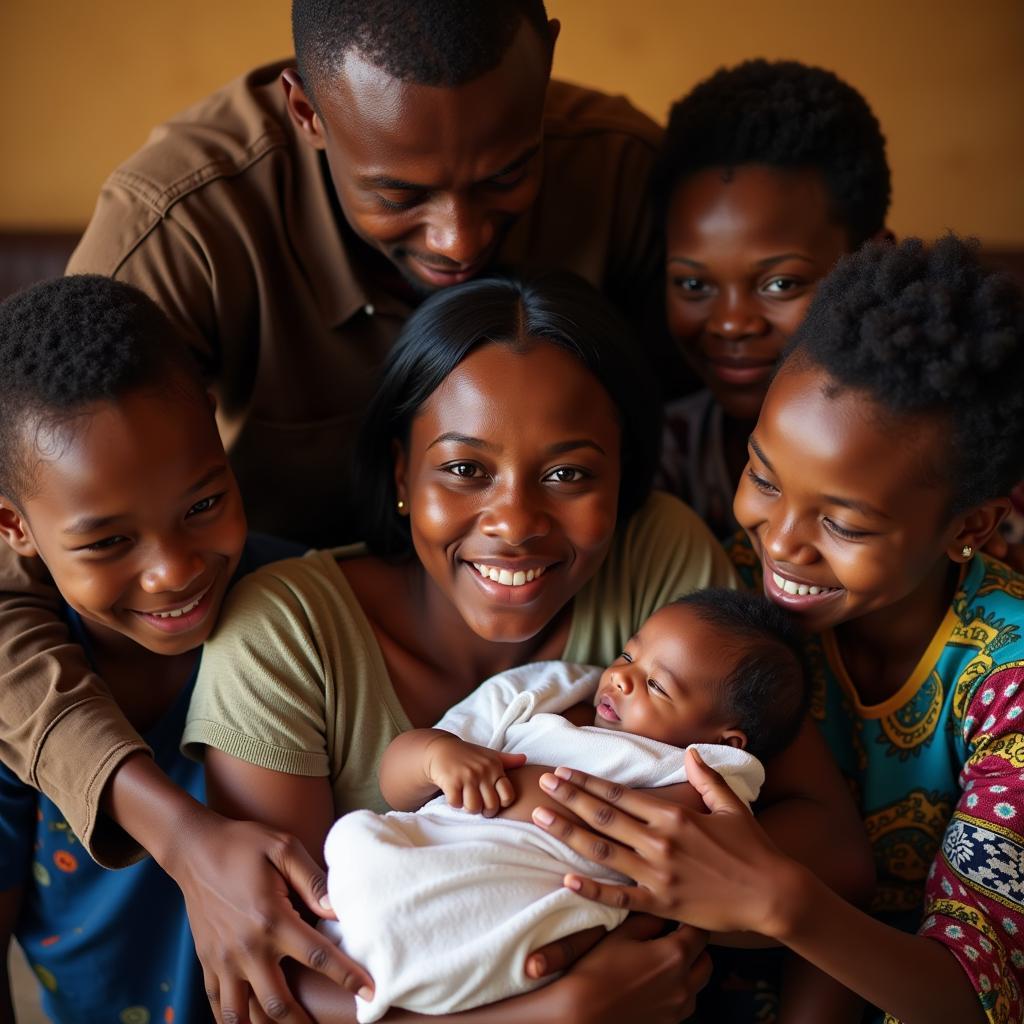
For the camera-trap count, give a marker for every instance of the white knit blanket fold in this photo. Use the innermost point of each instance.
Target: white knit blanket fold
(443, 907)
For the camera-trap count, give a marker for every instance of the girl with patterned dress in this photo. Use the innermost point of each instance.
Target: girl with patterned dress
(882, 461)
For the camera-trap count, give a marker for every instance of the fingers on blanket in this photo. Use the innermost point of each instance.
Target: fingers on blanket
(560, 955)
(622, 897)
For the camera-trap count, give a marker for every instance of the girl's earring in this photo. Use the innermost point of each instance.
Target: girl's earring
(401, 507)
(967, 551)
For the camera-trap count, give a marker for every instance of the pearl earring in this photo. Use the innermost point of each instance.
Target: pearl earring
(401, 507)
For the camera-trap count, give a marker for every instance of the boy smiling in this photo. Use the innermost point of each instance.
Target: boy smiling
(112, 474)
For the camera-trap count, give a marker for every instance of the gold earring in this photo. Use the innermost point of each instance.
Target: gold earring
(967, 551)
(401, 507)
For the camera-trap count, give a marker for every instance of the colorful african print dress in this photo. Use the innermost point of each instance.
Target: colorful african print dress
(938, 773)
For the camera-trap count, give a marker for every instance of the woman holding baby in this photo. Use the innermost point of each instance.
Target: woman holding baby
(505, 473)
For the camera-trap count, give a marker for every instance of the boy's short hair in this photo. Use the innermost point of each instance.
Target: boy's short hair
(429, 42)
(67, 343)
(766, 694)
(929, 330)
(784, 114)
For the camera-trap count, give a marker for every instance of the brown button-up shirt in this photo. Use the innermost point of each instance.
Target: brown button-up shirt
(225, 217)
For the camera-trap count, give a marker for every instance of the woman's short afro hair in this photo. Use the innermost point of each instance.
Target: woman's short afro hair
(928, 330)
(68, 343)
(784, 114)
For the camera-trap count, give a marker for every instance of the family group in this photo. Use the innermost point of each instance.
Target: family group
(472, 552)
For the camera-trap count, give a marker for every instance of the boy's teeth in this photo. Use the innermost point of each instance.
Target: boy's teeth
(797, 588)
(506, 576)
(178, 612)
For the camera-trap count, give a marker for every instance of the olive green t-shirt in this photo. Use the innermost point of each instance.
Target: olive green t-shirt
(293, 678)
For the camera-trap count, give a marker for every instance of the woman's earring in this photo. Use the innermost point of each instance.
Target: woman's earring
(401, 507)
(967, 551)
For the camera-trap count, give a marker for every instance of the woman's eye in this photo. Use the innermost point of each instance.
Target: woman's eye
(465, 470)
(841, 531)
(690, 286)
(204, 505)
(567, 475)
(760, 483)
(783, 285)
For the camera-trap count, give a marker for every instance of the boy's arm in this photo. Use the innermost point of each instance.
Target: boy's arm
(60, 730)
(420, 762)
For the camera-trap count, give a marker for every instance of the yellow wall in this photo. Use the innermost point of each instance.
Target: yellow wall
(81, 83)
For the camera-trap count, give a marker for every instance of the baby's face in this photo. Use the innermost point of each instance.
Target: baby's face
(666, 683)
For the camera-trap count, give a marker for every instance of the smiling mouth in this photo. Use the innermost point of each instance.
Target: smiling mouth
(184, 609)
(801, 589)
(508, 577)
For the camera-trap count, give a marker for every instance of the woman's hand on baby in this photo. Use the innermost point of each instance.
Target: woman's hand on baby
(470, 776)
(237, 878)
(717, 871)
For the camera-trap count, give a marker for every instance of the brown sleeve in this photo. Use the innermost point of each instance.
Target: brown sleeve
(134, 243)
(60, 730)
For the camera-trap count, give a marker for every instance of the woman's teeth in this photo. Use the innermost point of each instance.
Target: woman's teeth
(506, 576)
(798, 588)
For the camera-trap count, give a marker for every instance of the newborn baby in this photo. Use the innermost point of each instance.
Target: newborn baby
(444, 904)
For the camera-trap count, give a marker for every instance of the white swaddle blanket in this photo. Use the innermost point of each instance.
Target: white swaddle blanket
(443, 907)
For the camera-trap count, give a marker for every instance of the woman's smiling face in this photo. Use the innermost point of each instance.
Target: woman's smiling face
(745, 249)
(845, 504)
(511, 480)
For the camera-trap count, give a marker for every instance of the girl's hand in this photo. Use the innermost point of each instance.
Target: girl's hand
(717, 871)
(470, 776)
(632, 974)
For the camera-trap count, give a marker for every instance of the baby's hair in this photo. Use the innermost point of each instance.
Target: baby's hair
(429, 42)
(766, 694)
(67, 343)
(783, 114)
(929, 330)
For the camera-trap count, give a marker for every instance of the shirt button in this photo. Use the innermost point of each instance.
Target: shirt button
(368, 309)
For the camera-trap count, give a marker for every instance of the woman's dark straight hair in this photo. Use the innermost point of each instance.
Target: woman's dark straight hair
(561, 309)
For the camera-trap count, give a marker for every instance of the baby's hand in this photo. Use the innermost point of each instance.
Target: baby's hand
(471, 777)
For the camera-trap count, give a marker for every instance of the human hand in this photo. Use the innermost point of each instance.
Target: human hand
(470, 776)
(632, 974)
(563, 953)
(236, 877)
(718, 871)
